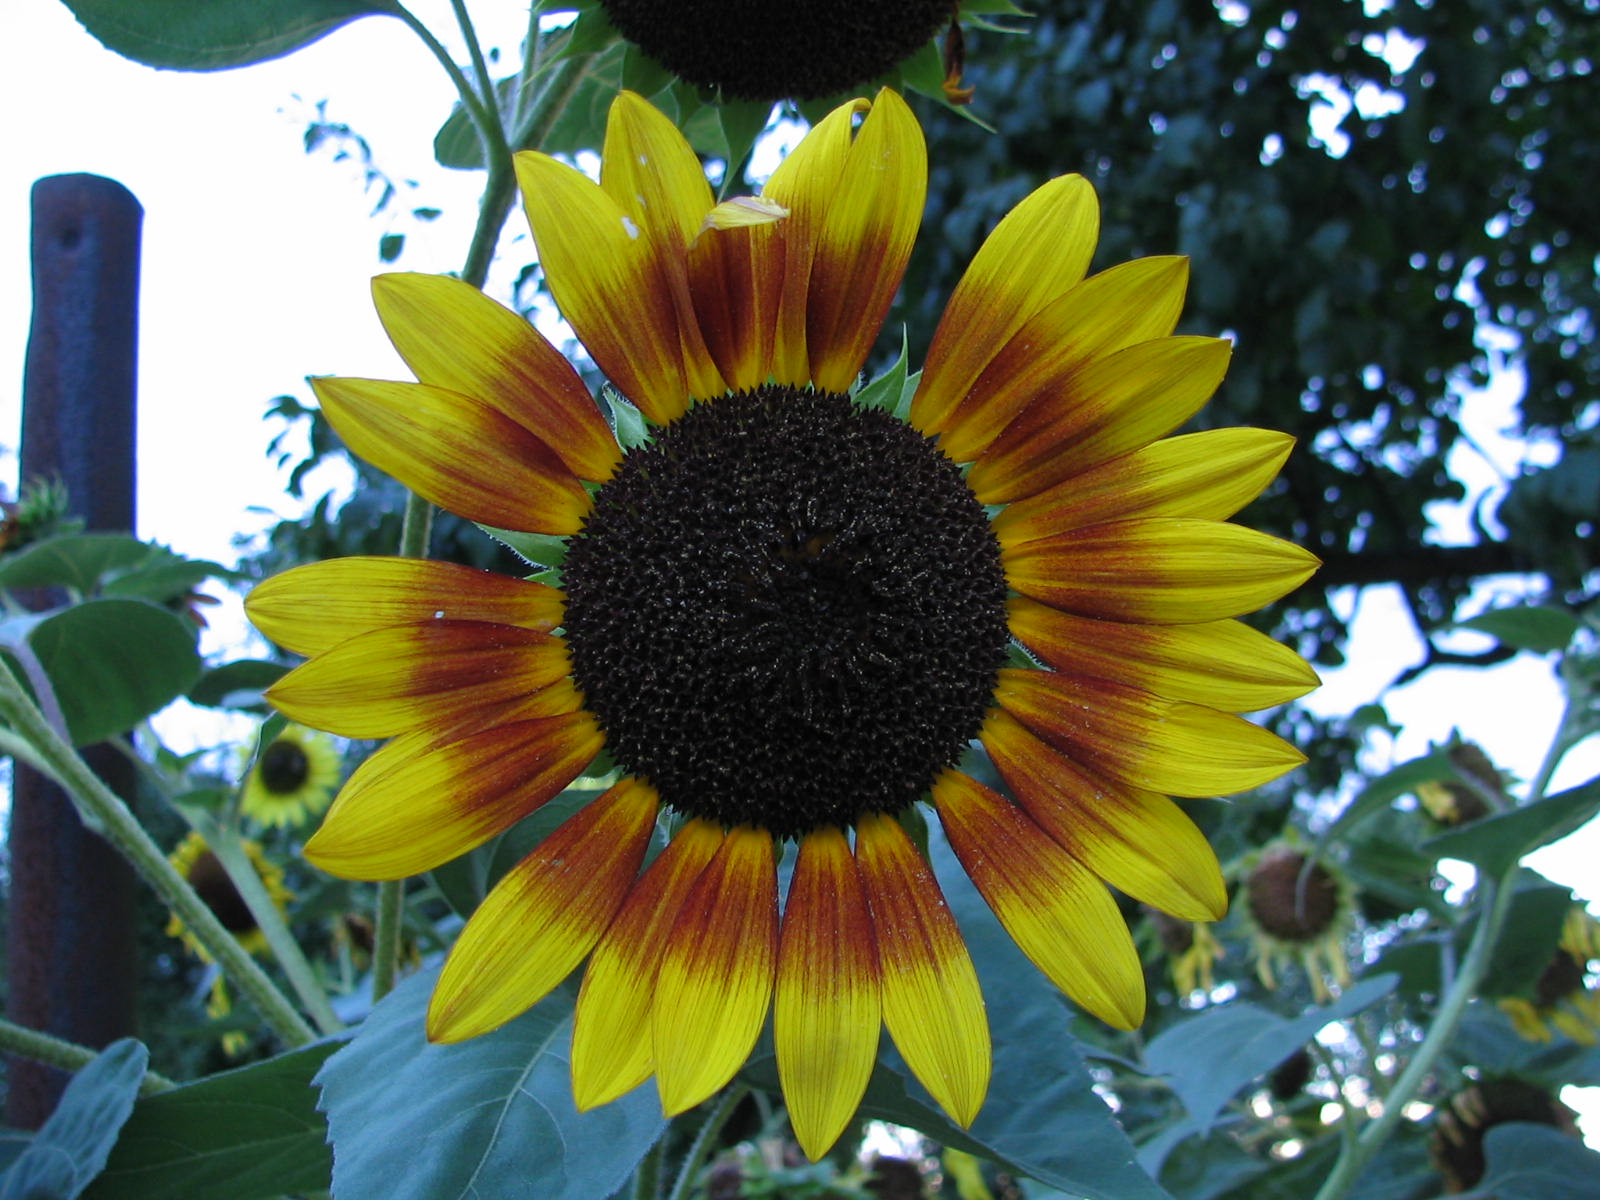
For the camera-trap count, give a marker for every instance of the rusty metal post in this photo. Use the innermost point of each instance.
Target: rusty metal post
(72, 967)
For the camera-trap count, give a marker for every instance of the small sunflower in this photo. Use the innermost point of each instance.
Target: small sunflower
(293, 780)
(788, 614)
(1299, 911)
(1563, 997)
(1192, 951)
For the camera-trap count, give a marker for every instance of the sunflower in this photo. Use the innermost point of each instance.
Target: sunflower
(787, 615)
(294, 778)
(1563, 997)
(1299, 909)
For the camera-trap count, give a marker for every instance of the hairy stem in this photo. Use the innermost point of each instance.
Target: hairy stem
(68, 1056)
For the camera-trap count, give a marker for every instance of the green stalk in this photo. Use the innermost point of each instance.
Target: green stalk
(105, 812)
(68, 1056)
(700, 1150)
(475, 49)
(485, 118)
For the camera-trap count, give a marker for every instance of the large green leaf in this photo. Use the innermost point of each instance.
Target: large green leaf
(250, 1133)
(210, 35)
(114, 662)
(491, 1117)
(73, 1144)
(1536, 1162)
(113, 563)
(1497, 842)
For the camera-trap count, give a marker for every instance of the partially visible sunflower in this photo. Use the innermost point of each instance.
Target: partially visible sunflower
(789, 614)
(1562, 997)
(1192, 952)
(1299, 909)
(293, 779)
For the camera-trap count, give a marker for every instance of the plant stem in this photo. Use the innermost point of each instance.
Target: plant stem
(647, 1176)
(475, 51)
(1559, 745)
(105, 812)
(485, 119)
(701, 1147)
(69, 1056)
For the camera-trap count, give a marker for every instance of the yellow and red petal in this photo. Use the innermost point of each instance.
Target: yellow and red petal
(828, 1007)
(1137, 840)
(611, 1052)
(456, 452)
(1134, 737)
(1125, 306)
(1209, 475)
(391, 681)
(735, 280)
(606, 276)
(1054, 907)
(864, 241)
(538, 923)
(454, 337)
(1111, 406)
(716, 976)
(1158, 569)
(418, 802)
(932, 1004)
(1223, 664)
(1037, 253)
(313, 608)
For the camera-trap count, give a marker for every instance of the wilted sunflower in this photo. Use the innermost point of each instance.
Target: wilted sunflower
(294, 778)
(1562, 997)
(1299, 909)
(787, 616)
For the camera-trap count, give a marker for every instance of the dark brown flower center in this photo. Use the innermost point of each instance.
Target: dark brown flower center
(786, 611)
(1289, 901)
(211, 884)
(284, 767)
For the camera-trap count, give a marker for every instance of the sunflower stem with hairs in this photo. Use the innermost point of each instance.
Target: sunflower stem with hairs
(68, 1056)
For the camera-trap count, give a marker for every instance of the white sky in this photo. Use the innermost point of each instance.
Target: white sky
(256, 262)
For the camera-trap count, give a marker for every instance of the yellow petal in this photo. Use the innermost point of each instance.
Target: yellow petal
(315, 607)
(1053, 907)
(455, 337)
(716, 976)
(828, 1009)
(611, 1030)
(1037, 253)
(456, 452)
(1209, 475)
(539, 922)
(931, 1000)
(390, 681)
(1138, 841)
(1136, 738)
(418, 802)
(1158, 569)
(742, 211)
(1222, 664)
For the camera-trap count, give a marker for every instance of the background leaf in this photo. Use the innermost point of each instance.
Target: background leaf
(1536, 1162)
(1535, 627)
(1496, 842)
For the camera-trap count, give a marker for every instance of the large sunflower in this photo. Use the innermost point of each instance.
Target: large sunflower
(788, 615)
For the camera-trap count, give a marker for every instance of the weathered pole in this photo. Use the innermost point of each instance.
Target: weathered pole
(72, 955)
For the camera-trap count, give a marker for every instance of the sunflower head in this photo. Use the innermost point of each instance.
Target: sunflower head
(1562, 997)
(1192, 951)
(293, 778)
(787, 611)
(1466, 1118)
(201, 869)
(1299, 908)
(779, 49)
(1477, 791)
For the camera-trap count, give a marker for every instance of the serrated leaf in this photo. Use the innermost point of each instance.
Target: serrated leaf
(71, 1148)
(1495, 843)
(211, 35)
(242, 1135)
(488, 1118)
(884, 392)
(1534, 627)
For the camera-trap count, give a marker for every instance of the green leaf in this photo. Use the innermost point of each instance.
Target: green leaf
(1534, 627)
(390, 245)
(1496, 842)
(237, 684)
(1389, 787)
(115, 563)
(114, 662)
(212, 35)
(1535, 1162)
(71, 1148)
(1528, 942)
(540, 549)
(487, 1118)
(627, 422)
(885, 391)
(250, 1133)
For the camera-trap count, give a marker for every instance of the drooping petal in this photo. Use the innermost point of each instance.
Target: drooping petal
(1038, 252)
(418, 802)
(456, 452)
(544, 916)
(605, 276)
(1138, 841)
(864, 242)
(931, 1000)
(313, 608)
(828, 1008)
(1124, 306)
(1140, 739)
(1053, 907)
(455, 337)
(1159, 569)
(716, 977)
(394, 680)
(611, 1029)
(1113, 405)
(1209, 475)
(1223, 664)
